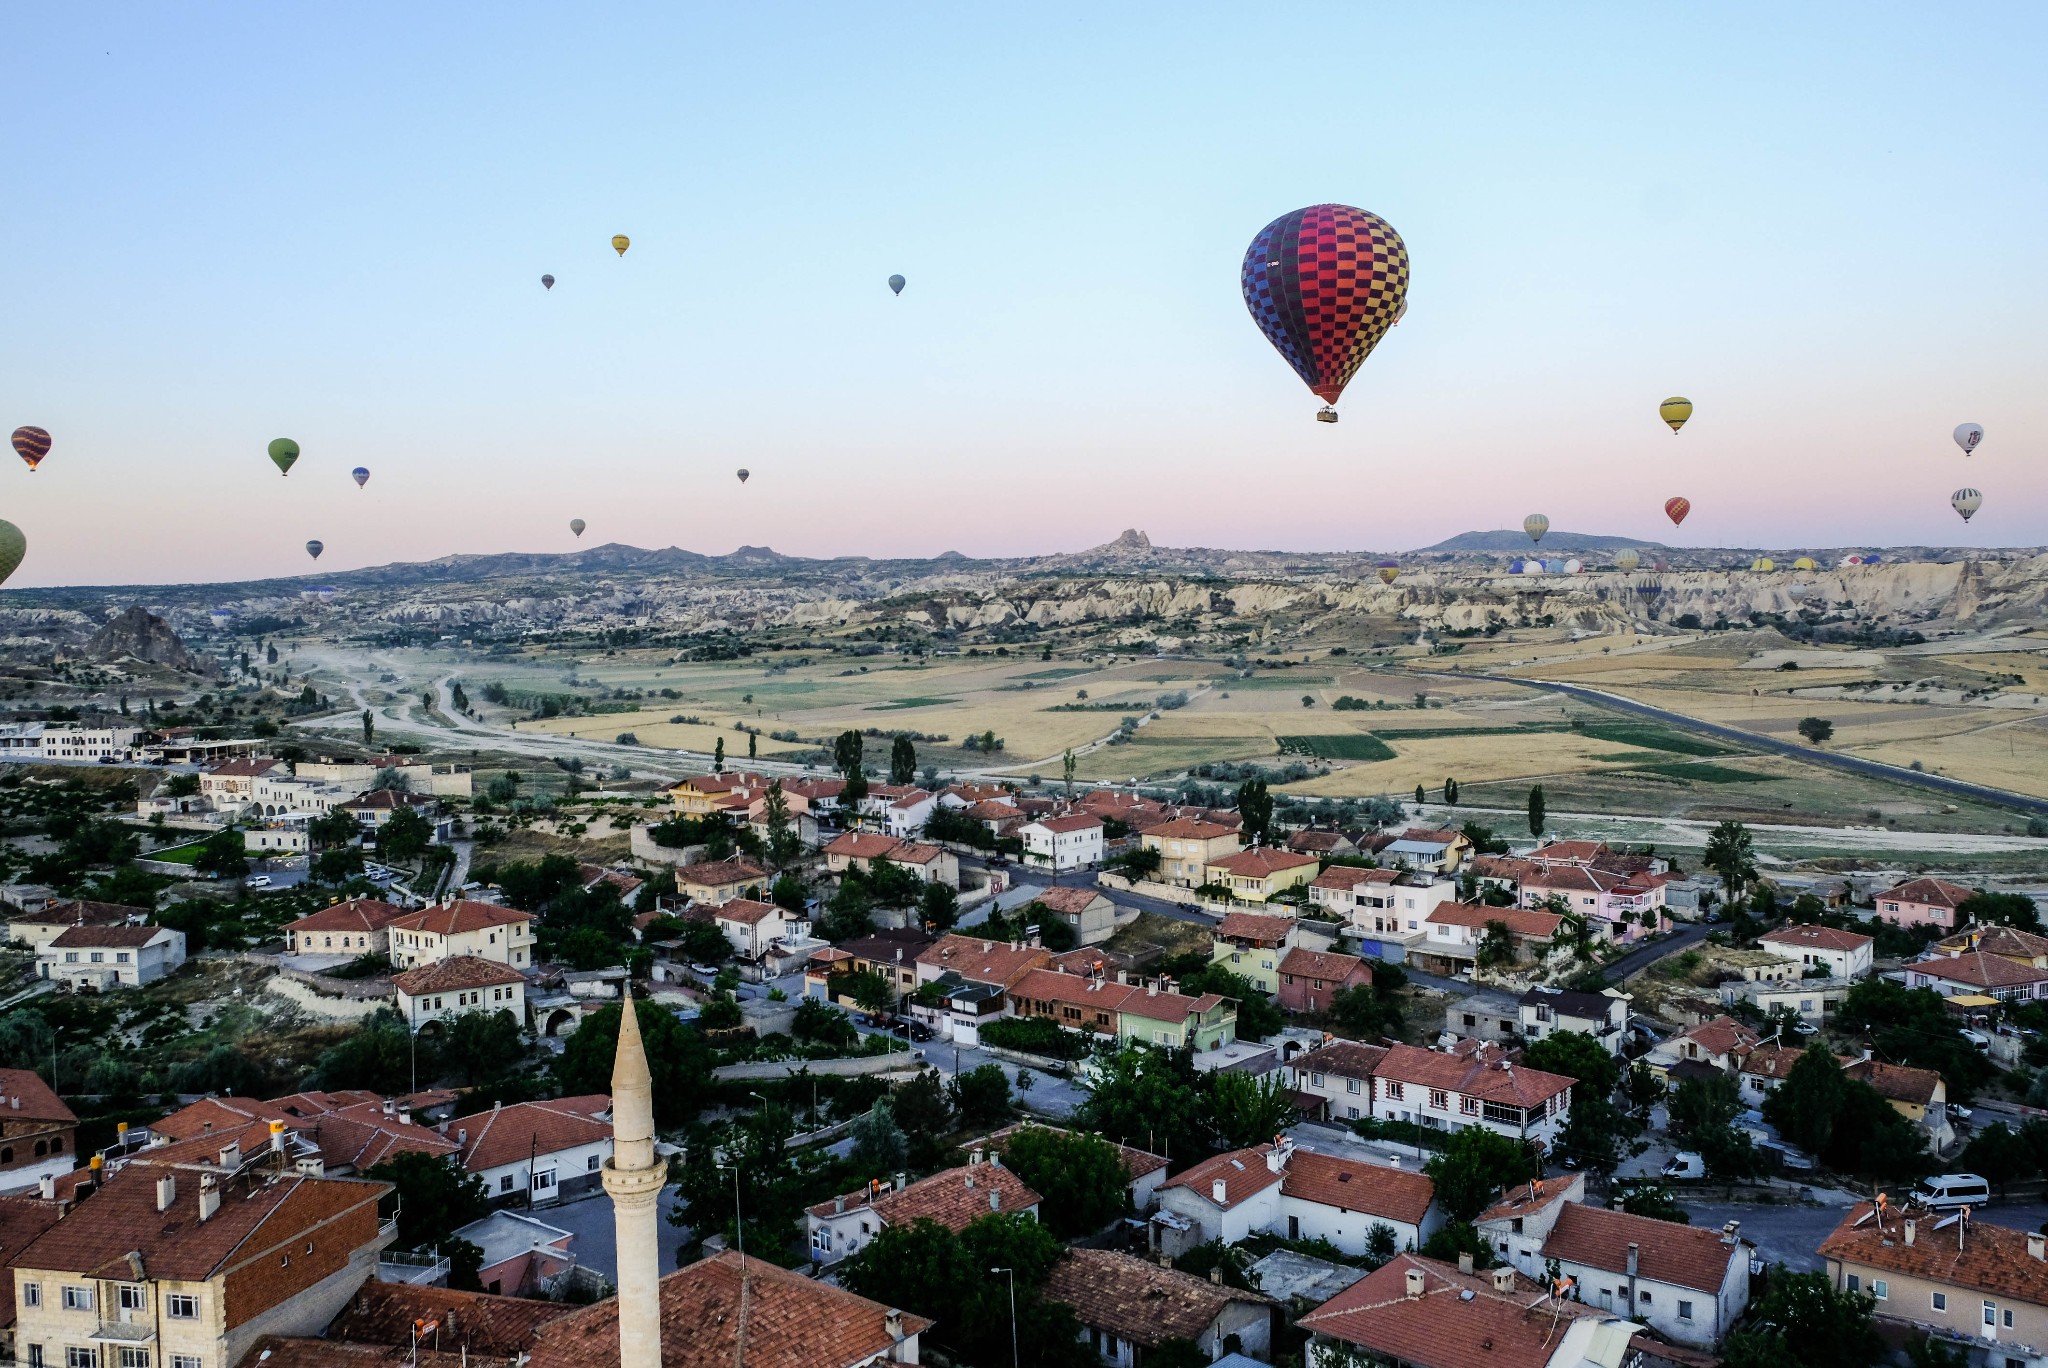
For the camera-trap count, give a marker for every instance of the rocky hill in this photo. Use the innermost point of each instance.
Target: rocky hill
(141, 635)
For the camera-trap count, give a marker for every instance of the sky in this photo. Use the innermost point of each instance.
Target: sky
(228, 223)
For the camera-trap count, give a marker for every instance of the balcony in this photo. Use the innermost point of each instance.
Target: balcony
(128, 1333)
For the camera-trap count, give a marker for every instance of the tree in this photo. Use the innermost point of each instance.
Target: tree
(1245, 1111)
(181, 786)
(1257, 1017)
(1999, 909)
(1701, 1104)
(435, 1198)
(1804, 1106)
(879, 1146)
(377, 1055)
(921, 1106)
(1472, 1168)
(1255, 807)
(815, 1021)
(868, 989)
(1144, 1095)
(902, 761)
(369, 726)
(1999, 1156)
(333, 827)
(1536, 807)
(1450, 792)
(1654, 1200)
(1731, 854)
(718, 756)
(405, 835)
(1364, 1011)
(1802, 1320)
(938, 906)
(1575, 1055)
(783, 845)
(483, 1045)
(1496, 947)
(846, 753)
(1816, 729)
(1067, 770)
(676, 1055)
(1080, 1178)
(753, 745)
(982, 1095)
(223, 855)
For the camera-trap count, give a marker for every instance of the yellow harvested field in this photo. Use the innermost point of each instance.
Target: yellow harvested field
(2013, 756)
(654, 729)
(1471, 759)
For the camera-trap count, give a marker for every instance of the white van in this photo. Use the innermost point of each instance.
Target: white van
(1946, 1191)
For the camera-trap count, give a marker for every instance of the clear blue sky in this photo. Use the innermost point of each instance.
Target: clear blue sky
(228, 223)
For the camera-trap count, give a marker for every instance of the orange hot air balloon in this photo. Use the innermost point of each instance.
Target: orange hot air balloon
(1676, 509)
(31, 444)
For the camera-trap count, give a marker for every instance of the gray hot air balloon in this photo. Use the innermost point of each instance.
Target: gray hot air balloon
(896, 283)
(1535, 525)
(743, 474)
(1966, 502)
(314, 548)
(576, 525)
(547, 282)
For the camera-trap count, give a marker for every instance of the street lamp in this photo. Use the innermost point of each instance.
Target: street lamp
(1013, 1312)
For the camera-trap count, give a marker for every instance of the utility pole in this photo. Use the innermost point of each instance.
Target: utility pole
(1013, 1312)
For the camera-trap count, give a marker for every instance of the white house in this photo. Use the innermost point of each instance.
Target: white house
(1689, 1283)
(72, 741)
(955, 1198)
(1067, 842)
(447, 988)
(480, 930)
(1475, 1084)
(544, 1152)
(752, 926)
(1602, 1015)
(106, 957)
(1281, 1190)
(1843, 954)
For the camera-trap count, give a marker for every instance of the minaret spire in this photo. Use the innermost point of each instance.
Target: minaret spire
(634, 1177)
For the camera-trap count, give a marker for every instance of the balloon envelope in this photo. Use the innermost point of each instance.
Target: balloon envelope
(577, 525)
(743, 475)
(1806, 563)
(896, 284)
(31, 444)
(361, 475)
(1573, 566)
(1966, 502)
(1389, 571)
(314, 548)
(1968, 435)
(1324, 284)
(1675, 411)
(13, 546)
(1676, 509)
(284, 452)
(547, 282)
(620, 242)
(1626, 560)
(1763, 563)
(1535, 525)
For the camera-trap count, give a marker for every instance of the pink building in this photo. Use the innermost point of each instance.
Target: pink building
(1919, 902)
(1625, 902)
(1310, 978)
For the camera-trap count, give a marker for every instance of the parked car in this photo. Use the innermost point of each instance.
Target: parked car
(1977, 1038)
(257, 881)
(1686, 1164)
(914, 1030)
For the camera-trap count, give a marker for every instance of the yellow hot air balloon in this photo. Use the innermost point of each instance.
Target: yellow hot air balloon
(620, 242)
(1763, 565)
(1805, 563)
(1626, 560)
(1675, 411)
(1390, 570)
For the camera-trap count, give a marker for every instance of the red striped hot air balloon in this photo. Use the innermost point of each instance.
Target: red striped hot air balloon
(1676, 509)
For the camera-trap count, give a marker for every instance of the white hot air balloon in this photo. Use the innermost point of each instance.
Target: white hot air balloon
(1535, 525)
(1626, 560)
(1968, 435)
(577, 525)
(1966, 502)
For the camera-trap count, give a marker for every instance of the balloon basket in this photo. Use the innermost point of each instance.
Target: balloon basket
(1326, 414)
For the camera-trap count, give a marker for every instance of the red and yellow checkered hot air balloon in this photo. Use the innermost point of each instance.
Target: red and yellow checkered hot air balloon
(1324, 284)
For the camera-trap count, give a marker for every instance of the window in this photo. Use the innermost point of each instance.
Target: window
(134, 1357)
(99, 957)
(133, 1297)
(31, 1294)
(593, 1163)
(505, 1182)
(2008, 1320)
(1351, 1113)
(184, 1361)
(1469, 1105)
(35, 1356)
(78, 1299)
(1393, 1089)
(1351, 1085)
(1315, 1080)
(181, 1306)
(1439, 1099)
(1856, 1285)
(1880, 1289)
(1991, 1313)
(544, 1181)
(75, 1357)
(1939, 1301)
(1643, 1297)
(120, 957)
(1685, 1310)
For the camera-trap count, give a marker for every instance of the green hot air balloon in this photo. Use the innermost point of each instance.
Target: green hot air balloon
(284, 452)
(13, 546)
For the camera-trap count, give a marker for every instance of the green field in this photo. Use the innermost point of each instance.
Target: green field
(1339, 746)
(909, 703)
(184, 854)
(1653, 736)
(1697, 772)
(1280, 680)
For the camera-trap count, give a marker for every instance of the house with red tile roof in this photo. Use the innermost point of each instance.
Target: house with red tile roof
(955, 1198)
(899, 810)
(1322, 844)
(1087, 912)
(1626, 906)
(359, 926)
(752, 926)
(716, 882)
(1978, 973)
(1187, 847)
(1923, 902)
(2022, 947)
(479, 930)
(1385, 908)
(104, 958)
(1843, 954)
(1310, 978)
(1070, 841)
(1129, 1307)
(1261, 872)
(38, 928)
(433, 993)
(1334, 1081)
(537, 1153)
(1250, 945)
(1688, 1283)
(977, 960)
(1145, 1170)
(1477, 1086)
(1430, 850)
(1975, 1285)
(38, 1133)
(1456, 930)
(860, 849)
(1152, 1013)
(1281, 1189)
(1719, 1044)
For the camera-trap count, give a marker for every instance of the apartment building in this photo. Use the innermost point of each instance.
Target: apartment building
(477, 930)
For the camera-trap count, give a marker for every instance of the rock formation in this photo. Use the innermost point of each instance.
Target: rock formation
(139, 634)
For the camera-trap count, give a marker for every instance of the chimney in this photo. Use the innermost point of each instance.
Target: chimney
(974, 1157)
(231, 1156)
(405, 1116)
(2037, 1246)
(462, 1138)
(1415, 1281)
(1152, 988)
(1635, 1258)
(47, 1188)
(1216, 1274)
(1730, 1231)
(1503, 1279)
(166, 1192)
(1219, 1192)
(389, 1106)
(838, 1206)
(892, 1321)
(970, 1179)
(1464, 1263)
(209, 1200)
(995, 1199)
(1912, 1229)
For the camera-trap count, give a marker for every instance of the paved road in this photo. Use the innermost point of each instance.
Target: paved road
(1854, 764)
(596, 1244)
(1641, 958)
(1791, 1235)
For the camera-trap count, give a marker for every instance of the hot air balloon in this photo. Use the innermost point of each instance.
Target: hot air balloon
(1806, 563)
(1968, 435)
(1324, 284)
(620, 242)
(1852, 560)
(314, 548)
(547, 282)
(13, 546)
(361, 475)
(1872, 558)
(1573, 566)
(1763, 565)
(896, 284)
(1535, 525)
(1626, 560)
(1675, 411)
(577, 525)
(31, 444)
(743, 474)
(1676, 509)
(1966, 502)
(1389, 570)
(284, 452)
